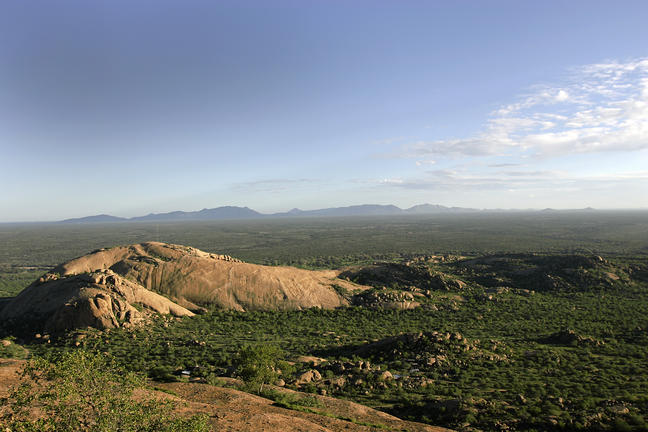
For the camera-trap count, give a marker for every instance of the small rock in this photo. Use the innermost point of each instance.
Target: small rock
(386, 376)
(619, 409)
(339, 382)
(426, 382)
(309, 376)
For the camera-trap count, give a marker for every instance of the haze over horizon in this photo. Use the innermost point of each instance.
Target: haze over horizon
(133, 107)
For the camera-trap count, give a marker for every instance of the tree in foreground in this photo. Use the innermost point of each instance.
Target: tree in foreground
(86, 392)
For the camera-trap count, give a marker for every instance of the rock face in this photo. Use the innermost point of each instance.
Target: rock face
(101, 289)
(100, 299)
(190, 277)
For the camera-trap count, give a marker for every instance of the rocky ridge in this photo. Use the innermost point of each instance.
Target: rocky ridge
(229, 409)
(124, 285)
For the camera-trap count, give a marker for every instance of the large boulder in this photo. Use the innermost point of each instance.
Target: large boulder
(190, 277)
(100, 299)
(123, 285)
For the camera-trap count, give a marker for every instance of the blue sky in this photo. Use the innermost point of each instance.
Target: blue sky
(131, 107)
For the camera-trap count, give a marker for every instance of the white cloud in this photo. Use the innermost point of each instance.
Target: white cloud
(392, 181)
(602, 107)
(550, 180)
(562, 96)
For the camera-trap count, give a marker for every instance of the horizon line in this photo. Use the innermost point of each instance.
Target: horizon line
(284, 213)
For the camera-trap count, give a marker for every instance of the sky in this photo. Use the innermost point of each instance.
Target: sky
(128, 107)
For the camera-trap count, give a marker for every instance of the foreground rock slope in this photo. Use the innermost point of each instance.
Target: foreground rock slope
(123, 285)
(229, 409)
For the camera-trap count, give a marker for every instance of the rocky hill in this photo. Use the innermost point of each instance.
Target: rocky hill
(123, 285)
(100, 299)
(229, 409)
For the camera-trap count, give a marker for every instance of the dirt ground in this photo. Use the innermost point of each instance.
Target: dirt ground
(233, 410)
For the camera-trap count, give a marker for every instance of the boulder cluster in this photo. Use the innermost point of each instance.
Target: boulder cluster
(569, 337)
(386, 299)
(225, 258)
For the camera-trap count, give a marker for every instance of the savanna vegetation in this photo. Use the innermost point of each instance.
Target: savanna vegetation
(523, 322)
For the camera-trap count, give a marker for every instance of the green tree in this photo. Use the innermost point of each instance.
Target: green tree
(81, 391)
(259, 365)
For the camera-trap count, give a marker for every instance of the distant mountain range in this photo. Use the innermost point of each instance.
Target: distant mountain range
(231, 212)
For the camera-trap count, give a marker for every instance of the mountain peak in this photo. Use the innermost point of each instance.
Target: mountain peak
(235, 212)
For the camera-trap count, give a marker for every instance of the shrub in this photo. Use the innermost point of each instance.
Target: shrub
(86, 392)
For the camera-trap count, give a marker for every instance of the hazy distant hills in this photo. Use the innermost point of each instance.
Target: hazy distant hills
(227, 212)
(357, 210)
(232, 212)
(435, 208)
(97, 218)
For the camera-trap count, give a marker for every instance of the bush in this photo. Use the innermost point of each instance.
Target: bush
(8, 349)
(86, 392)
